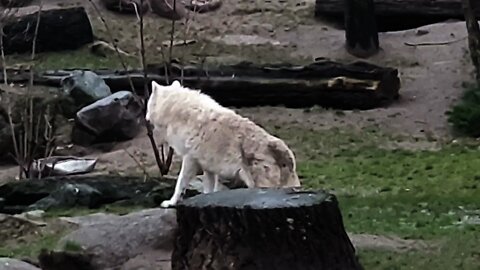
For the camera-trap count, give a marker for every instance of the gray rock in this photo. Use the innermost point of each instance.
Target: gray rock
(116, 239)
(70, 195)
(113, 118)
(13, 264)
(85, 87)
(155, 259)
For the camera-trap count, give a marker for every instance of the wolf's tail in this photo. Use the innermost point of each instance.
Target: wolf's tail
(286, 161)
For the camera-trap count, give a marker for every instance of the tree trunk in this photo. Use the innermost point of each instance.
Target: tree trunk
(361, 28)
(59, 29)
(473, 35)
(357, 85)
(262, 229)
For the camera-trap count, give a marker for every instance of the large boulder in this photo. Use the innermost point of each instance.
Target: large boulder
(13, 264)
(117, 117)
(85, 87)
(115, 240)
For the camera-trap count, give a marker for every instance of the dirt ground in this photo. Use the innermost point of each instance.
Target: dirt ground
(431, 75)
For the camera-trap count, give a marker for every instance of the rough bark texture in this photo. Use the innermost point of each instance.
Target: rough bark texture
(59, 29)
(473, 35)
(361, 28)
(405, 8)
(262, 229)
(357, 85)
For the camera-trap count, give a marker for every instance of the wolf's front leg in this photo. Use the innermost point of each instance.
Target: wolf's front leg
(208, 182)
(187, 172)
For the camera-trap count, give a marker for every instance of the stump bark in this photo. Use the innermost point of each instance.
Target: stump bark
(59, 29)
(262, 229)
(361, 28)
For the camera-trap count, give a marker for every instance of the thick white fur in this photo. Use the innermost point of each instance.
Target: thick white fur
(218, 141)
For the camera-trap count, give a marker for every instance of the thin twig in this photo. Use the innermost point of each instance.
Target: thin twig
(172, 31)
(142, 166)
(114, 44)
(160, 162)
(434, 43)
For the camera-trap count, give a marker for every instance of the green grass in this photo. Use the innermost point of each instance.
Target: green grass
(210, 52)
(427, 195)
(411, 194)
(30, 249)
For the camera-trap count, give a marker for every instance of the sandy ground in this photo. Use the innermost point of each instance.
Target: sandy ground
(431, 75)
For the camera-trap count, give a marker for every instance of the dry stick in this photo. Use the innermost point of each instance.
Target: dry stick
(187, 27)
(434, 43)
(160, 163)
(142, 166)
(172, 31)
(29, 148)
(114, 44)
(4, 62)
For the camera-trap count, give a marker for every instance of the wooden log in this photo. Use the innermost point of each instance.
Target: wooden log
(59, 29)
(262, 229)
(357, 85)
(405, 8)
(361, 28)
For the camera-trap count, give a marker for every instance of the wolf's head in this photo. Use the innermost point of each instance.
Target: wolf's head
(158, 93)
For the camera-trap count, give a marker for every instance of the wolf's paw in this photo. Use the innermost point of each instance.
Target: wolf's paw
(168, 204)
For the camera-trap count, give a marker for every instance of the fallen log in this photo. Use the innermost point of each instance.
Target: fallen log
(448, 8)
(357, 85)
(262, 229)
(59, 29)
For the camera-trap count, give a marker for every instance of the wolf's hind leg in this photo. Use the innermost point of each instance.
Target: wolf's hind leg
(187, 172)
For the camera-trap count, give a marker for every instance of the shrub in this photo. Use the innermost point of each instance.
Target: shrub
(465, 116)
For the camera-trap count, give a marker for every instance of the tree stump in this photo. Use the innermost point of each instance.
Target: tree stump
(361, 28)
(59, 29)
(262, 229)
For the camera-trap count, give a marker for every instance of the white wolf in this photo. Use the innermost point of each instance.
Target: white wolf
(215, 139)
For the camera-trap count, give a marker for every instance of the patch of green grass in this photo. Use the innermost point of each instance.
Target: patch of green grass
(81, 58)
(212, 52)
(30, 249)
(428, 195)
(72, 246)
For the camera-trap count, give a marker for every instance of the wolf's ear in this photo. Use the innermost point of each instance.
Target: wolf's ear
(155, 86)
(176, 84)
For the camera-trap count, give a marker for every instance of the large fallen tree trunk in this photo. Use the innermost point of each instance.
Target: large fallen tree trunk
(262, 229)
(357, 85)
(59, 29)
(449, 8)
